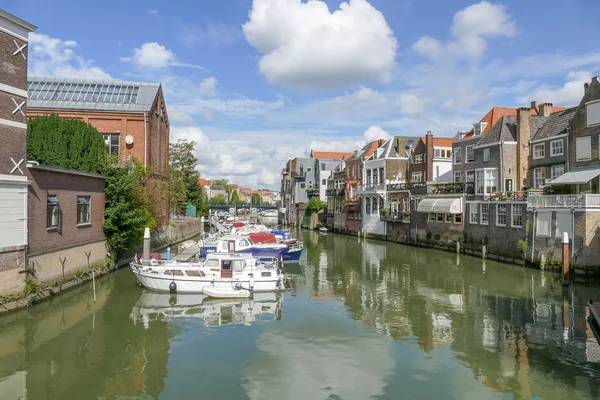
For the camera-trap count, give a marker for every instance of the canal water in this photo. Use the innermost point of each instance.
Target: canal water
(363, 319)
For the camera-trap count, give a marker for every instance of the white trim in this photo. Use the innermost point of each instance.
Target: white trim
(549, 138)
(13, 90)
(480, 146)
(592, 101)
(14, 124)
(506, 214)
(562, 148)
(543, 151)
(13, 34)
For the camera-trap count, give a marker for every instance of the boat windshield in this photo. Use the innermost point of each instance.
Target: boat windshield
(238, 265)
(212, 263)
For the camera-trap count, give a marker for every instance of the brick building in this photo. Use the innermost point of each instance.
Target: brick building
(66, 216)
(14, 34)
(431, 160)
(132, 117)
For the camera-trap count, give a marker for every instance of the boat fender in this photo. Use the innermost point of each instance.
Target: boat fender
(172, 299)
(172, 287)
(251, 281)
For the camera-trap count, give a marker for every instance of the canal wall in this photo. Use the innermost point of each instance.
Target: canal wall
(32, 286)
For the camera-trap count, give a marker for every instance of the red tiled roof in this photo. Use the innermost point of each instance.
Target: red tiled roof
(233, 185)
(204, 182)
(443, 142)
(268, 194)
(331, 155)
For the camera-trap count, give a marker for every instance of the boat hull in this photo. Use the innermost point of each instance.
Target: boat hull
(224, 292)
(293, 255)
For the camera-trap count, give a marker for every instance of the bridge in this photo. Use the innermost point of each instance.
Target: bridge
(226, 207)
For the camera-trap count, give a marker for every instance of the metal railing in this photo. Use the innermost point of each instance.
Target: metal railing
(451, 188)
(371, 187)
(334, 192)
(564, 201)
(509, 196)
(395, 216)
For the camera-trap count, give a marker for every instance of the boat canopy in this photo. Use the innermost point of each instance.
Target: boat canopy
(440, 205)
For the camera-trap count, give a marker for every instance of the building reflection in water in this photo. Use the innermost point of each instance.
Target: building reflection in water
(516, 329)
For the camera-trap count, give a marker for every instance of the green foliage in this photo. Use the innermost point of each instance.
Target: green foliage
(184, 176)
(522, 248)
(32, 286)
(235, 198)
(172, 223)
(222, 182)
(256, 198)
(66, 143)
(314, 205)
(219, 199)
(127, 210)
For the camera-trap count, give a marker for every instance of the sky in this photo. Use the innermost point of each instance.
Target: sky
(257, 82)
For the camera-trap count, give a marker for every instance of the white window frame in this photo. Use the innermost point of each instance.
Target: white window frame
(498, 206)
(539, 151)
(418, 158)
(448, 218)
(514, 207)
(459, 175)
(474, 213)
(417, 177)
(553, 168)
(484, 178)
(431, 217)
(472, 148)
(486, 155)
(457, 159)
(482, 220)
(584, 143)
(437, 153)
(593, 113)
(458, 218)
(554, 149)
(472, 173)
(537, 178)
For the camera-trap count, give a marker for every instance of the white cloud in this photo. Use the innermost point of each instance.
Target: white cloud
(568, 95)
(155, 56)
(153, 12)
(208, 86)
(209, 33)
(411, 104)
(304, 44)
(375, 132)
(55, 57)
(470, 28)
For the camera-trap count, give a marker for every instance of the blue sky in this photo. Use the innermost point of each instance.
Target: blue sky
(255, 83)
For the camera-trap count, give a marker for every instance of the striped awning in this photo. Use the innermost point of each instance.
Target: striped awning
(441, 205)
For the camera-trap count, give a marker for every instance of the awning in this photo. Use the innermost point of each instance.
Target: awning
(349, 209)
(576, 177)
(440, 205)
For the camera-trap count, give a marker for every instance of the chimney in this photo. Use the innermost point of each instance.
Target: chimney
(545, 109)
(534, 107)
(429, 156)
(523, 138)
(585, 87)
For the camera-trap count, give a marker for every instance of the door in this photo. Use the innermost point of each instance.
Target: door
(231, 246)
(226, 271)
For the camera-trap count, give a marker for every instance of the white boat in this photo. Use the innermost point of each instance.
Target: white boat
(187, 244)
(232, 268)
(227, 290)
(153, 306)
(323, 229)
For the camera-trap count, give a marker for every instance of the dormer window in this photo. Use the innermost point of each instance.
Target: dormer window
(478, 128)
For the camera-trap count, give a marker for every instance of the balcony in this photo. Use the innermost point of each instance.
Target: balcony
(508, 196)
(564, 201)
(296, 174)
(371, 188)
(334, 192)
(451, 188)
(395, 187)
(396, 216)
(313, 190)
(284, 171)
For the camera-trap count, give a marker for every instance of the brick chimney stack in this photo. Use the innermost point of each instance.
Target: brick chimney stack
(534, 107)
(545, 109)
(429, 156)
(523, 137)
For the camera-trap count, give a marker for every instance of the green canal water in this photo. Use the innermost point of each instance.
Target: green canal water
(361, 320)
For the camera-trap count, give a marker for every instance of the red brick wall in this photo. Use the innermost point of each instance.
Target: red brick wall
(66, 187)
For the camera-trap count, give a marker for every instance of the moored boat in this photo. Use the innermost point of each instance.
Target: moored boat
(226, 290)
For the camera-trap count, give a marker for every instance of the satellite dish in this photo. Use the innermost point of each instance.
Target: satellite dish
(129, 139)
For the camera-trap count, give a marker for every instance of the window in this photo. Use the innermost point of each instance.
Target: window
(478, 128)
(418, 158)
(438, 153)
(474, 213)
(508, 185)
(486, 154)
(52, 212)
(83, 210)
(583, 149)
(309, 169)
(563, 224)
(516, 216)
(449, 218)
(457, 176)
(485, 213)
(324, 182)
(457, 157)
(381, 203)
(539, 151)
(501, 214)
(470, 154)
(302, 185)
(439, 217)
(539, 177)
(556, 171)
(470, 176)
(479, 182)
(374, 206)
(406, 204)
(431, 217)
(111, 141)
(486, 181)
(556, 148)
(543, 223)
(381, 176)
(322, 166)
(593, 113)
(457, 218)
(417, 176)
(368, 206)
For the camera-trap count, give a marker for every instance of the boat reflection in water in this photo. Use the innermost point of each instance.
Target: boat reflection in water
(153, 306)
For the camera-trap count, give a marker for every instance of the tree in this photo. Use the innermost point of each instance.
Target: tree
(222, 182)
(66, 143)
(219, 199)
(235, 198)
(256, 198)
(184, 176)
(314, 205)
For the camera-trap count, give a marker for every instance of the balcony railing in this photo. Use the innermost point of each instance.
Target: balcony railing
(296, 174)
(395, 216)
(509, 196)
(391, 187)
(564, 201)
(313, 189)
(334, 192)
(371, 188)
(451, 188)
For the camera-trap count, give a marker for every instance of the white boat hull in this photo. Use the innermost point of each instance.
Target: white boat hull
(226, 291)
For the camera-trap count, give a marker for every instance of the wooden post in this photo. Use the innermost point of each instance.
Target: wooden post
(565, 259)
(457, 247)
(483, 251)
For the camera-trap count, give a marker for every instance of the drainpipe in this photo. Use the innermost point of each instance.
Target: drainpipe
(533, 234)
(572, 237)
(501, 174)
(145, 142)
(567, 140)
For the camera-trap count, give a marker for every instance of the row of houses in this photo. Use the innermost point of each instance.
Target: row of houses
(516, 181)
(213, 190)
(51, 219)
